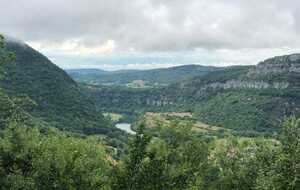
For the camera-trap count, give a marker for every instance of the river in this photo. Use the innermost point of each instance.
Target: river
(125, 127)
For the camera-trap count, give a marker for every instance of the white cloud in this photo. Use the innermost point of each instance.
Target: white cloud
(75, 47)
(225, 31)
(220, 57)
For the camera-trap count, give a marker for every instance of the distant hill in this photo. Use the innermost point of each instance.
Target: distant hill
(157, 77)
(59, 100)
(244, 98)
(85, 72)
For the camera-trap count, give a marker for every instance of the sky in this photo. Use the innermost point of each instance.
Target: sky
(145, 34)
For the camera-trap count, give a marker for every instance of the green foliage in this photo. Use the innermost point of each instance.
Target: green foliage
(237, 110)
(152, 78)
(284, 172)
(249, 111)
(4, 55)
(238, 163)
(8, 108)
(58, 99)
(13, 109)
(139, 170)
(120, 99)
(32, 160)
(174, 160)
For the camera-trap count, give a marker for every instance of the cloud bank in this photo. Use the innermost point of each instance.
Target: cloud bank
(205, 28)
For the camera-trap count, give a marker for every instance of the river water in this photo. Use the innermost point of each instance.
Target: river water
(125, 127)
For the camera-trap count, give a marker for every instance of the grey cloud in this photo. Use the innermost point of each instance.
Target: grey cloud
(156, 25)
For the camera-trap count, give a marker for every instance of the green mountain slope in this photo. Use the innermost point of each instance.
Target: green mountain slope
(254, 98)
(158, 77)
(59, 99)
(243, 98)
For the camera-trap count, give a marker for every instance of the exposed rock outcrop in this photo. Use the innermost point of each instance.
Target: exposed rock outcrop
(158, 102)
(277, 65)
(239, 84)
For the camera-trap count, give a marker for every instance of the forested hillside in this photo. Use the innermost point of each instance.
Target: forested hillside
(154, 77)
(244, 98)
(56, 98)
(251, 97)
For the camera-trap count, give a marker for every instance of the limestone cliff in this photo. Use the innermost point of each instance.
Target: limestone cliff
(239, 84)
(277, 65)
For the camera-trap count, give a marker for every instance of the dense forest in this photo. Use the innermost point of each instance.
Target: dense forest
(174, 159)
(47, 96)
(58, 98)
(38, 154)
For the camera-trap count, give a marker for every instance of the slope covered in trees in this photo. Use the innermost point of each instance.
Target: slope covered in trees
(258, 97)
(153, 77)
(243, 98)
(57, 98)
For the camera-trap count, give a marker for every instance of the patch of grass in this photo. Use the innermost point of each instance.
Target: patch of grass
(114, 117)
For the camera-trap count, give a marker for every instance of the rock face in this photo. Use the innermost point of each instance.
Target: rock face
(238, 84)
(159, 102)
(277, 65)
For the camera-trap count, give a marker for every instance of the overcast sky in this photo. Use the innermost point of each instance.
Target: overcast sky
(143, 34)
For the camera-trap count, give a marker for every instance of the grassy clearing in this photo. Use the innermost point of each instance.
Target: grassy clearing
(115, 117)
(152, 120)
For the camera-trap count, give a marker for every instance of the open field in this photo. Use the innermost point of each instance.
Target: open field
(152, 120)
(115, 117)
